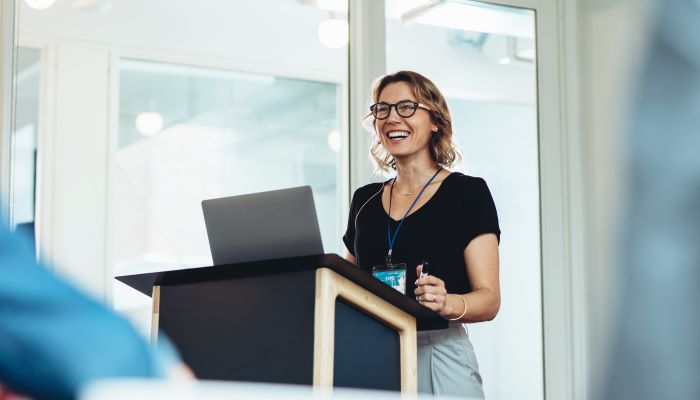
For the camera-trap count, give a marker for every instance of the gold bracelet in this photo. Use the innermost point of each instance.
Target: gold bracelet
(465, 310)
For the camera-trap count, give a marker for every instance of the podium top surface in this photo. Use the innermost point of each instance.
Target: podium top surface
(425, 318)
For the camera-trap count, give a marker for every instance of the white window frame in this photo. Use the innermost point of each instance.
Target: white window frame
(44, 142)
(8, 21)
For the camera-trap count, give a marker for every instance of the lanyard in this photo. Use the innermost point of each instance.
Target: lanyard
(392, 240)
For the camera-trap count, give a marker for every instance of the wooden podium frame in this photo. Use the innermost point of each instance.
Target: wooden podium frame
(336, 280)
(330, 286)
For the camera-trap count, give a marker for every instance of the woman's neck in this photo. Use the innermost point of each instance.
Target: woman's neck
(414, 173)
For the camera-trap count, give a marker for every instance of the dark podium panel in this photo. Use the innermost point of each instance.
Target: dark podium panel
(306, 320)
(357, 351)
(244, 329)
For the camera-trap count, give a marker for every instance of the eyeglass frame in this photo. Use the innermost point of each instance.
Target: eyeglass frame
(416, 104)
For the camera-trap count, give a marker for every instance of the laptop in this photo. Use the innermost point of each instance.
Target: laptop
(262, 226)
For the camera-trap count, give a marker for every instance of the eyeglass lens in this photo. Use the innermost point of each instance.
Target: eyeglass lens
(404, 108)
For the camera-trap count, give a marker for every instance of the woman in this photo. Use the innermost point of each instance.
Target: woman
(428, 213)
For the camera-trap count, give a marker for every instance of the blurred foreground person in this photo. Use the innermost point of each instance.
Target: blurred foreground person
(54, 340)
(657, 352)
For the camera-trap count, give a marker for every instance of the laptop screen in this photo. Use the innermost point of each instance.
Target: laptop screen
(262, 226)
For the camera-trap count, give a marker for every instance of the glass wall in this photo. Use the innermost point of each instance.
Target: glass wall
(190, 133)
(482, 57)
(25, 139)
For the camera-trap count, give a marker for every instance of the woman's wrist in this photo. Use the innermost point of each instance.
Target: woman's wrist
(457, 309)
(450, 310)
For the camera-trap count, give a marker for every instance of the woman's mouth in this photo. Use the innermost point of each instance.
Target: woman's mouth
(397, 135)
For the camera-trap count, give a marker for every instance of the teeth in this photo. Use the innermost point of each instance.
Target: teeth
(398, 134)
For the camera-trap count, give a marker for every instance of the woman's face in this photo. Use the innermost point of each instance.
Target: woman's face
(404, 137)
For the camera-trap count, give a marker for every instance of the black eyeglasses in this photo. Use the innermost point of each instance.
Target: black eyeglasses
(405, 109)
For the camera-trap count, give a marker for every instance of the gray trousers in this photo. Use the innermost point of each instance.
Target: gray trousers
(447, 363)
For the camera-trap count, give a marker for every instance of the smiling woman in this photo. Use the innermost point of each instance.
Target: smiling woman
(448, 218)
(411, 92)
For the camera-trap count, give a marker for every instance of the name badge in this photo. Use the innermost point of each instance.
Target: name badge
(393, 275)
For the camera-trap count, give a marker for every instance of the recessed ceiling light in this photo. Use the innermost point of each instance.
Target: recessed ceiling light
(334, 140)
(333, 33)
(149, 123)
(40, 4)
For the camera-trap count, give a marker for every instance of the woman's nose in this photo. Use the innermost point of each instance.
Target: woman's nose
(393, 115)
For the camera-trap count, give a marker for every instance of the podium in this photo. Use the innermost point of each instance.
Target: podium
(313, 320)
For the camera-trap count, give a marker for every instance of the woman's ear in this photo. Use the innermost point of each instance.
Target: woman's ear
(435, 128)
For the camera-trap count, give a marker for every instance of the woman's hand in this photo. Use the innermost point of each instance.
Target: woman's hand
(430, 292)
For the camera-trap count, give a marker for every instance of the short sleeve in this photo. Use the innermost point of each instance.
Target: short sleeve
(480, 212)
(349, 237)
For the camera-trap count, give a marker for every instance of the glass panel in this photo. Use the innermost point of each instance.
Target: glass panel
(25, 139)
(188, 134)
(482, 57)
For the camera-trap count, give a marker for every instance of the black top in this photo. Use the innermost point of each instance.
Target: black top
(460, 210)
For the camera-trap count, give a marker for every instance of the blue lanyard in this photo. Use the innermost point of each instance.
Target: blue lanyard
(392, 240)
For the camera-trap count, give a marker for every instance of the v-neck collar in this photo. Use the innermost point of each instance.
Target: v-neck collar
(393, 221)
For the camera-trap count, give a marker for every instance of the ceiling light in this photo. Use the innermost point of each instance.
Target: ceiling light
(334, 140)
(149, 123)
(473, 17)
(333, 33)
(39, 4)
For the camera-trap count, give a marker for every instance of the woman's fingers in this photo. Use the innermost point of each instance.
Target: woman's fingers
(430, 280)
(429, 288)
(433, 302)
(430, 292)
(431, 298)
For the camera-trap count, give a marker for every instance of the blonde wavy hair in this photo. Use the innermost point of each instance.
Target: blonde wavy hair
(442, 148)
